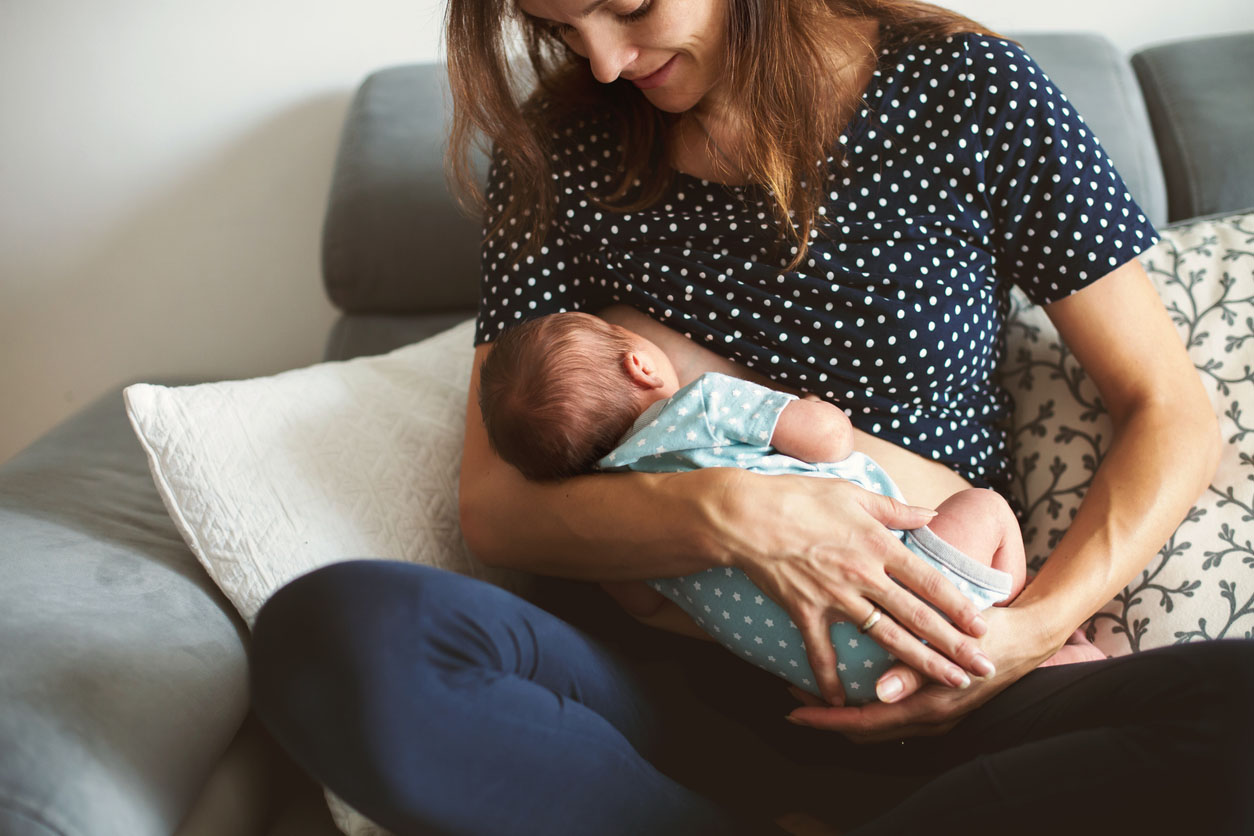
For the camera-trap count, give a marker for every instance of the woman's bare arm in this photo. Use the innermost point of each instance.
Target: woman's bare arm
(1163, 454)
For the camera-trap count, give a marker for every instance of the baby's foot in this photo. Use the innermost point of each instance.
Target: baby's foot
(1077, 649)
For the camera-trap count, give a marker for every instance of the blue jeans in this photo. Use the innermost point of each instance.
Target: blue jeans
(434, 703)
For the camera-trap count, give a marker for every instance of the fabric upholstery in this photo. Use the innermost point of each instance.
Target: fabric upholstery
(124, 672)
(1200, 95)
(394, 240)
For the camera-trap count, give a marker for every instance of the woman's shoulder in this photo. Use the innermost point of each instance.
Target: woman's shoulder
(954, 56)
(968, 67)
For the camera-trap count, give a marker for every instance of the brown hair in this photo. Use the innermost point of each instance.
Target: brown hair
(779, 60)
(554, 395)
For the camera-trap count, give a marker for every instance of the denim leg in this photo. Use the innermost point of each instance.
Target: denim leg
(432, 702)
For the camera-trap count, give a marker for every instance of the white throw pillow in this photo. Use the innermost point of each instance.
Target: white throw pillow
(270, 478)
(1201, 585)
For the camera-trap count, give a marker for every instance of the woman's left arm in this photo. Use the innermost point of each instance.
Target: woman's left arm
(1163, 454)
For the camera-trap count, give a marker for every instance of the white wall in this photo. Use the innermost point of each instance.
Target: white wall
(163, 170)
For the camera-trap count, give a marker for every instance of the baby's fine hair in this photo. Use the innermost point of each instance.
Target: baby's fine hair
(555, 396)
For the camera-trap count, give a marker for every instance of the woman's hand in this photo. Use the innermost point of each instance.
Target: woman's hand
(1017, 642)
(822, 549)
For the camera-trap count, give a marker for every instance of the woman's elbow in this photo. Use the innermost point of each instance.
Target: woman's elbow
(1198, 432)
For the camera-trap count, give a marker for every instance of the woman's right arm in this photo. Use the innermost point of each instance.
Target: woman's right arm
(820, 547)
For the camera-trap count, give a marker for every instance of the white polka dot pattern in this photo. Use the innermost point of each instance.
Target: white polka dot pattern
(965, 172)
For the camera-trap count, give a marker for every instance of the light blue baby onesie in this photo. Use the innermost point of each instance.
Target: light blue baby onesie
(721, 421)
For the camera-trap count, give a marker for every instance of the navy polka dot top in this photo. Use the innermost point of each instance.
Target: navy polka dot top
(965, 172)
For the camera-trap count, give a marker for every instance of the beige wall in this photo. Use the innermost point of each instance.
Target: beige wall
(163, 168)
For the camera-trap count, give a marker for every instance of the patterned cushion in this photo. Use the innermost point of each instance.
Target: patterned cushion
(1201, 585)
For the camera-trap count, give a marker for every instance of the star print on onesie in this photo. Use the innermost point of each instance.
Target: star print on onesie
(721, 421)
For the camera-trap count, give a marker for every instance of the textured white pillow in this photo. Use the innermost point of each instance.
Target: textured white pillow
(1201, 585)
(270, 478)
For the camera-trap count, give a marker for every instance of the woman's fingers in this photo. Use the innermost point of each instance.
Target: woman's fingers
(894, 514)
(914, 618)
(930, 585)
(898, 682)
(817, 633)
(924, 659)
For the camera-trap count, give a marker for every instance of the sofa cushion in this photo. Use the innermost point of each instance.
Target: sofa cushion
(124, 670)
(1201, 585)
(1201, 102)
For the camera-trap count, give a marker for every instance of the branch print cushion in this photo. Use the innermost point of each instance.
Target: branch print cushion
(1201, 585)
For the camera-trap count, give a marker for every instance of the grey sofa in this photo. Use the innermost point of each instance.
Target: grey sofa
(123, 671)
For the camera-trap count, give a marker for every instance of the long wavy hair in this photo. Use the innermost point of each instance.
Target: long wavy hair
(780, 58)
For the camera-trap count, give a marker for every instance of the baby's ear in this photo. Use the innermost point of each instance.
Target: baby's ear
(640, 369)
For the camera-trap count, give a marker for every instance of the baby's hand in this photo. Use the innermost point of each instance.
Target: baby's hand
(813, 430)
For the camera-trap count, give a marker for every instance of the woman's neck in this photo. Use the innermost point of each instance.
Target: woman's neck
(708, 140)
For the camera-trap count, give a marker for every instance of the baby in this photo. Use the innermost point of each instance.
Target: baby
(569, 393)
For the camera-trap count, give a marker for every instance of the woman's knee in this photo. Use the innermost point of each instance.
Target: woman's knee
(349, 623)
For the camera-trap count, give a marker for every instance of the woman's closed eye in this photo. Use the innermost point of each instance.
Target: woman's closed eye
(561, 30)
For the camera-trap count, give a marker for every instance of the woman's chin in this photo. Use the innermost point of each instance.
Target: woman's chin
(670, 101)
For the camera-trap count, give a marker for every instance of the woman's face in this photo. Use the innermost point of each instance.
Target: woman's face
(671, 49)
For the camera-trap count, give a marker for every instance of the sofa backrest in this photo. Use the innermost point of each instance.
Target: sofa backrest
(394, 241)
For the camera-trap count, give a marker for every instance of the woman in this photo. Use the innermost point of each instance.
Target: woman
(833, 195)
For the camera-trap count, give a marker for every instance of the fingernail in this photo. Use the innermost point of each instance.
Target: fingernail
(887, 689)
(982, 665)
(958, 679)
(925, 512)
(794, 720)
(979, 626)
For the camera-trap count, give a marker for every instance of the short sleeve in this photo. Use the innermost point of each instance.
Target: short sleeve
(678, 427)
(1062, 216)
(742, 412)
(514, 288)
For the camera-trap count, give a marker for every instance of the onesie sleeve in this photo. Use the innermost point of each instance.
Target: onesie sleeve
(514, 288)
(679, 426)
(1062, 216)
(741, 412)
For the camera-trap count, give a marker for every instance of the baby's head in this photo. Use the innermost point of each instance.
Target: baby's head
(557, 393)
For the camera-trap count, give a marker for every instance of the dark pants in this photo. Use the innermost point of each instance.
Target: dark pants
(437, 704)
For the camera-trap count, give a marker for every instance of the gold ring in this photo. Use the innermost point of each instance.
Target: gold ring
(871, 620)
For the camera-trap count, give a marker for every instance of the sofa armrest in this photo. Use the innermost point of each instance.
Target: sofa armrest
(125, 674)
(1201, 103)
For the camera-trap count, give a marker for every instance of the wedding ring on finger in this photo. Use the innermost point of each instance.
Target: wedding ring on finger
(871, 620)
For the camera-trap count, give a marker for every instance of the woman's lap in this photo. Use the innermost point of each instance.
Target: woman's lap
(436, 703)
(378, 677)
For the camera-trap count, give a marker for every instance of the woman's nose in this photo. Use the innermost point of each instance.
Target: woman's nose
(608, 52)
